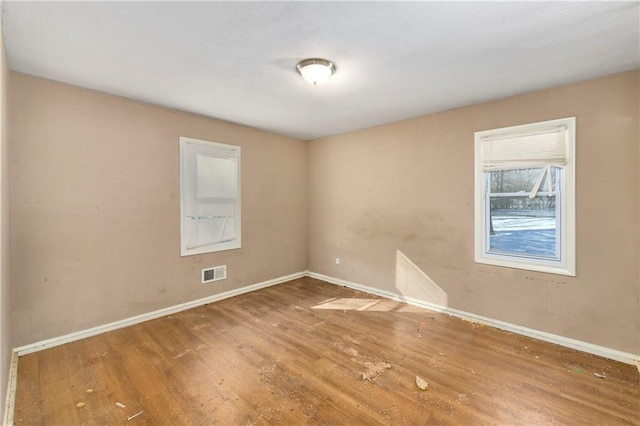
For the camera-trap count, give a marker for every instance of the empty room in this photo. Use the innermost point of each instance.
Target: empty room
(339, 213)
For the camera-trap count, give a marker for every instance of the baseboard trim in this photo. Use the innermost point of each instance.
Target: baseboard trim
(82, 334)
(614, 354)
(10, 399)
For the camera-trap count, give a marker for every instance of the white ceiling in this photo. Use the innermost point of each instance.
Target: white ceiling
(395, 60)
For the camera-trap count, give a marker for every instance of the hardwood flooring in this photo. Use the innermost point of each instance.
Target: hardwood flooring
(308, 352)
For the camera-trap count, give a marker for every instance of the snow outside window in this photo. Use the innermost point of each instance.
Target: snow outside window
(209, 196)
(525, 197)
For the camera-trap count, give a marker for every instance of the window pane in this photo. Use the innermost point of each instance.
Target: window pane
(519, 180)
(212, 224)
(554, 181)
(520, 225)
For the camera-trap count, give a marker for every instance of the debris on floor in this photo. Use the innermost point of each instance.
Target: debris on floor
(88, 391)
(135, 415)
(374, 370)
(80, 405)
(600, 376)
(351, 352)
(121, 405)
(422, 383)
(475, 325)
(462, 397)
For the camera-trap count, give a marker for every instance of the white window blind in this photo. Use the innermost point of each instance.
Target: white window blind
(544, 147)
(215, 177)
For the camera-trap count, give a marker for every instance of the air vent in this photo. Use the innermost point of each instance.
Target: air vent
(214, 274)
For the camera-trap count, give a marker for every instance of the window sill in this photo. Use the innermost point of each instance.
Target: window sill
(529, 265)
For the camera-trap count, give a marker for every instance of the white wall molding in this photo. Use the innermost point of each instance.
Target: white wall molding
(10, 400)
(614, 354)
(82, 334)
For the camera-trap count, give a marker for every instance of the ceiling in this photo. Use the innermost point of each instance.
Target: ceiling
(395, 60)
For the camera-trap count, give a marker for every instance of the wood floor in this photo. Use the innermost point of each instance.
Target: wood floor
(289, 355)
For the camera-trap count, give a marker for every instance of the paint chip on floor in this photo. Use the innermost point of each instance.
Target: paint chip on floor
(422, 383)
(135, 415)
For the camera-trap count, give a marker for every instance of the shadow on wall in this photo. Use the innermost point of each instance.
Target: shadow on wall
(412, 282)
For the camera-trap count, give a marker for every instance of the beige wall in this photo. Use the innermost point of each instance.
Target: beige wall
(95, 208)
(5, 289)
(408, 186)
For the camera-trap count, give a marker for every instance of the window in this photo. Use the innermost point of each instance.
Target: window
(525, 197)
(209, 196)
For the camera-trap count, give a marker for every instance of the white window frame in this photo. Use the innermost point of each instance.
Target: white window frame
(189, 148)
(565, 241)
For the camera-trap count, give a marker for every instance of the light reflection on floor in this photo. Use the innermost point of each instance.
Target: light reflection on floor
(371, 305)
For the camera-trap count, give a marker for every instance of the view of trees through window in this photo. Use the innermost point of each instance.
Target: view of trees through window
(522, 207)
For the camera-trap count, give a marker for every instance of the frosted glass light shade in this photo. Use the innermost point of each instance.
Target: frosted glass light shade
(316, 70)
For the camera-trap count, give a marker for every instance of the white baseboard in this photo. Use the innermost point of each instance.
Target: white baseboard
(614, 354)
(10, 398)
(628, 358)
(72, 337)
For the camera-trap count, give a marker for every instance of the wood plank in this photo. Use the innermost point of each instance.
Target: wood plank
(269, 357)
(27, 403)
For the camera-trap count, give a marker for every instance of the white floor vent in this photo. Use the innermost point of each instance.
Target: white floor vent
(214, 274)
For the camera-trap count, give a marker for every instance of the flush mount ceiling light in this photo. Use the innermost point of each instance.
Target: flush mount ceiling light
(316, 70)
